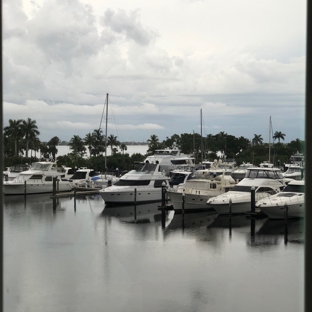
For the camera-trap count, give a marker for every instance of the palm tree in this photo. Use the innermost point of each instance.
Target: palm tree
(52, 144)
(257, 140)
(279, 135)
(30, 131)
(89, 141)
(123, 147)
(76, 143)
(112, 141)
(14, 132)
(153, 144)
(99, 141)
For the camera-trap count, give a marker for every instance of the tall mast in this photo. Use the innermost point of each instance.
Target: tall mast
(106, 131)
(270, 125)
(201, 135)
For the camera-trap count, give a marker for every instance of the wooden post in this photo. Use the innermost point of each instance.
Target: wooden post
(25, 191)
(253, 199)
(286, 225)
(135, 195)
(163, 194)
(54, 185)
(75, 191)
(230, 217)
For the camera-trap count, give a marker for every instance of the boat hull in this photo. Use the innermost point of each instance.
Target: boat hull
(278, 212)
(10, 188)
(191, 201)
(116, 196)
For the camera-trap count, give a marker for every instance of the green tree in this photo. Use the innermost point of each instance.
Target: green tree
(52, 144)
(99, 142)
(123, 147)
(30, 131)
(14, 133)
(257, 140)
(153, 144)
(112, 141)
(89, 140)
(278, 135)
(76, 143)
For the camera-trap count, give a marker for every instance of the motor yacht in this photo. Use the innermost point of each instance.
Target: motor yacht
(240, 172)
(38, 179)
(12, 172)
(82, 177)
(170, 159)
(140, 185)
(264, 181)
(294, 171)
(291, 198)
(198, 188)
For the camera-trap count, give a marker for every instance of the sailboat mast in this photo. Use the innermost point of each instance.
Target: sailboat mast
(201, 135)
(270, 125)
(106, 131)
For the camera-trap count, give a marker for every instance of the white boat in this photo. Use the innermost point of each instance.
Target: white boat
(291, 198)
(240, 172)
(82, 177)
(170, 159)
(103, 180)
(294, 171)
(38, 179)
(12, 172)
(179, 176)
(265, 181)
(141, 185)
(198, 188)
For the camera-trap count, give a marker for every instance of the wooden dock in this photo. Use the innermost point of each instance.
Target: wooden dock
(77, 192)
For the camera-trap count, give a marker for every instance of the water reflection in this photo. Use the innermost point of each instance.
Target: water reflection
(141, 213)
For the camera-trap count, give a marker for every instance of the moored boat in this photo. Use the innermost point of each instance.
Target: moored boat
(291, 198)
(140, 185)
(38, 179)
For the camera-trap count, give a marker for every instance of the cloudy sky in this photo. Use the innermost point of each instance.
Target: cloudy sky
(160, 61)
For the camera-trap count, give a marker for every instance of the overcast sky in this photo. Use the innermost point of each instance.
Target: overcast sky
(160, 61)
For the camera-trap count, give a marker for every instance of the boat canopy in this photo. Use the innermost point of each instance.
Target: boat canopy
(262, 173)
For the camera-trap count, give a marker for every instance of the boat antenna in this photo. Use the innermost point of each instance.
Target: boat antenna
(201, 135)
(105, 105)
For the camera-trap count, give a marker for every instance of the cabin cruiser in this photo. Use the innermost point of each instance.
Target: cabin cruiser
(264, 181)
(198, 188)
(170, 159)
(294, 171)
(82, 177)
(140, 185)
(240, 172)
(179, 176)
(291, 198)
(38, 179)
(12, 172)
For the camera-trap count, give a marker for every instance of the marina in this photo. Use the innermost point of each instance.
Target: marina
(79, 255)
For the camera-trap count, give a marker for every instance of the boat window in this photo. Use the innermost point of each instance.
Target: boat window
(213, 185)
(132, 182)
(241, 188)
(179, 161)
(177, 178)
(48, 178)
(79, 175)
(266, 190)
(36, 177)
(294, 188)
(158, 183)
(93, 173)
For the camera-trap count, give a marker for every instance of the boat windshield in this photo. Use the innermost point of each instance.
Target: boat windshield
(294, 188)
(241, 188)
(79, 175)
(263, 174)
(147, 168)
(184, 161)
(40, 166)
(132, 182)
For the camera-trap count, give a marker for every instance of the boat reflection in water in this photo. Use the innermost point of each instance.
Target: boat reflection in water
(273, 232)
(140, 213)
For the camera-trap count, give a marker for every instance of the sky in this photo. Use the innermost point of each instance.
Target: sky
(162, 62)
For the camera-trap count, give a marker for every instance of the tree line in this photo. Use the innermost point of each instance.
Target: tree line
(22, 135)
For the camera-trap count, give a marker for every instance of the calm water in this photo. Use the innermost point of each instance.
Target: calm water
(82, 257)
